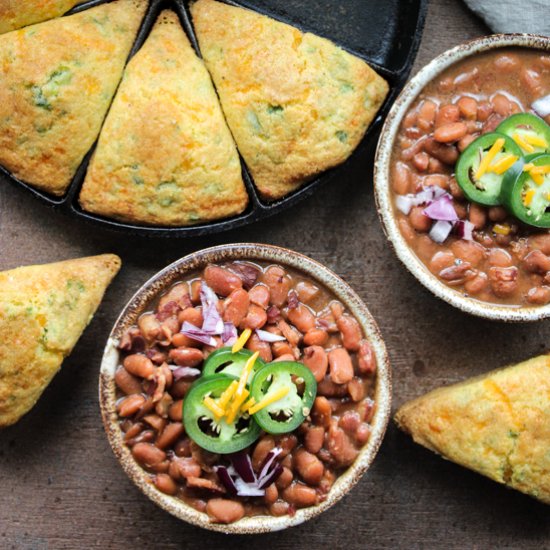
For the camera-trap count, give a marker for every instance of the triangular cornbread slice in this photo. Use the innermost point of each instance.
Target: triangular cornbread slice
(296, 103)
(15, 14)
(497, 424)
(165, 155)
(57, 80)
(43, 311)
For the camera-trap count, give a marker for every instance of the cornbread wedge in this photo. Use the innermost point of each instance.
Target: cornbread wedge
(296, 103)
(15, 14)
(57, 80)
(165, 155)
(497, 424)
(43, 311)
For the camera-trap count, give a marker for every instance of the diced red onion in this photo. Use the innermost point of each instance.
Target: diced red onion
(427, 195)
(208, 296)
(542, 106)
(248, 489)
(184, 372)
(271, 477)
(440, 231)
(213, 323)
(268, 461)
(266, 336)
(404, 203)
(243, 465)
(197, 334)
(226, 479)
(248, 273)
(441, 209)
(464, 229)
(229, 334)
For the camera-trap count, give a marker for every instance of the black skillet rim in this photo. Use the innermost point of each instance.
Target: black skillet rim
(257, 208)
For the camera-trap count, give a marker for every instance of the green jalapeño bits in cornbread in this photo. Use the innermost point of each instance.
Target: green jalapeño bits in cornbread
(165, 155)
(57, 80)
(296, 103)
(17, 14)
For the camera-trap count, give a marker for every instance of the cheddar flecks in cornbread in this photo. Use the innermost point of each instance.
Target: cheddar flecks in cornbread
(497, 424)
(43, 311)
(57, 80)
(296, 103)
(165, 155)
(15, 14)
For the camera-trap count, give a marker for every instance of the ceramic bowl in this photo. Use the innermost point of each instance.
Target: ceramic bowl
(383, 194)
(179, 270)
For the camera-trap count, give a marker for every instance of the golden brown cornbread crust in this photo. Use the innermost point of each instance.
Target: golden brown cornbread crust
(497, 424)
(57, 80)
(165, 155)
(15, 14)
(296, 103)
(43, 311)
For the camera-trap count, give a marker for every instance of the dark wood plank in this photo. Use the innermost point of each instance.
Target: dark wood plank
(62, 487)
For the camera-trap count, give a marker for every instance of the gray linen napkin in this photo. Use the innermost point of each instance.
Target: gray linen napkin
(531, 16)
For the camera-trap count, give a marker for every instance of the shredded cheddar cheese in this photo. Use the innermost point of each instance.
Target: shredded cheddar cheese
(236, 405)
(245, 374)
(528, 199)
(503, 164)
(528, 167)
(536, 177)
(214, 407)
(268, 400)
(523, 144)
(242, 340)
(540, 169)
(251, 402)
(489, 157)
(536, 141)
(501, 229)
(227, 395)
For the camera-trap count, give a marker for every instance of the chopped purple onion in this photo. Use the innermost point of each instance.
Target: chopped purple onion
(229, 334)
(243, 465)
(542, 106)
(272, 477)
(266, 336)
(248, 273)
(268, 461)
(440, 231)
(464, 229)
(404, 203)
(226, 479)
(441, 209)
(198, 334)
(184, 372)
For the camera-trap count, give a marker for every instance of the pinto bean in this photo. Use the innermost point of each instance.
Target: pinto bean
(350, 422)
(491, 123)
(155, 421)
(302, 318)
(280, 349)
(179, 294)
(450, 133)
(314, 439)
(366, 358)
(539, 295)
(447, 114)
(456, 274)
(148, 455)
(501, 105)
(536, 262)
(499, 257)
(321, 412)
(186, 357)
(164, 483)
(170, 435)
(259, 295)
(340, 446)
(468, 251)
(476, 284)
(315, 337)
(316, 360)
(221, 510)
(130, 405)
(184, 468)
(465, 141)
(306, 291)
(356, 389)
(264, 446)
(191, 315)
(292, 335)
(255, 318)
(341, 367)
(467, 107)
(236, 307)
(308, 466)
(419, 220)
(300, 495)
(255, 344)
(426, 115)
(139, 366)
(421, 161)
(436, 167)
(362, 434)
(503, 280)
(221, 280)
(271, 494)
(531, 80)
(175, 411)
(285, 479)
(278, 283)
(149, 326)
(447, 154)
(351, 332)
(127, 382)
(540, 242)
(328, 388)
(401, 179)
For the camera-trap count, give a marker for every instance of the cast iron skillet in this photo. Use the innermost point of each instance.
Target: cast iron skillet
(384, 33)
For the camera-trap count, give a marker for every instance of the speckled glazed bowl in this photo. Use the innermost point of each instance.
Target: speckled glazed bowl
(177, 271)
(382, 186)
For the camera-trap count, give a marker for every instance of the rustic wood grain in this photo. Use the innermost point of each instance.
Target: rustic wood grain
(62, 487)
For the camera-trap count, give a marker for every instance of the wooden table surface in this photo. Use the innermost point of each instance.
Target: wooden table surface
(61, 486)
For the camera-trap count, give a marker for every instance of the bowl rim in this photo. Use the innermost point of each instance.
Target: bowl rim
(382, 187)
(252, 252)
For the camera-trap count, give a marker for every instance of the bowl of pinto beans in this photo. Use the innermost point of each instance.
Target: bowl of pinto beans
(462, 177)
(245, 388)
